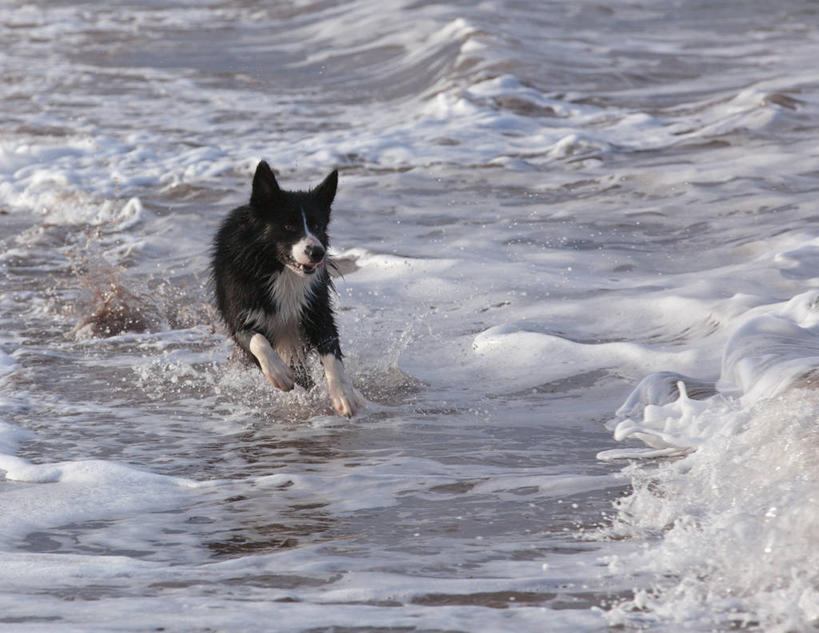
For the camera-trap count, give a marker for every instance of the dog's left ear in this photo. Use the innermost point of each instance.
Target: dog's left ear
(326, 191)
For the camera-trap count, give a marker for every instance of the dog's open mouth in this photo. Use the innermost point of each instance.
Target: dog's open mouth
(304, 269)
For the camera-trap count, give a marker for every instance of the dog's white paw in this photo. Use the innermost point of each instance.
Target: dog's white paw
(346, 399)
(273, 367)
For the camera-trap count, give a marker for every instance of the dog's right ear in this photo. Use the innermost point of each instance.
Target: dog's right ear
(265, 187)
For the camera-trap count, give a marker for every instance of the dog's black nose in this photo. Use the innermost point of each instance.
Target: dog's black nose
(315, 253)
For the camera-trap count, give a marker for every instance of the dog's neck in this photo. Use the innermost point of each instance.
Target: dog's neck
(290, 293)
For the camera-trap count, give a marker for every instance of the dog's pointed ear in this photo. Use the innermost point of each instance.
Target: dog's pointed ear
(326, 191)
(265, 187)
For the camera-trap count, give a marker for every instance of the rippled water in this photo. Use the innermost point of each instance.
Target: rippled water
(540, 205)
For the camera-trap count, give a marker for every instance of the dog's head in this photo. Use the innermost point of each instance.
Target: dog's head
(295, 221)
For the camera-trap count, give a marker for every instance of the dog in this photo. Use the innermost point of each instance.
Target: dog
(273, 290)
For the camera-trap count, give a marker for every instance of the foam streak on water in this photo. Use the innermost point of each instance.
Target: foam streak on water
(543, 208)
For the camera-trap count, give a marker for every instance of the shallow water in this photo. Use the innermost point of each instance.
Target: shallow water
(540, 206)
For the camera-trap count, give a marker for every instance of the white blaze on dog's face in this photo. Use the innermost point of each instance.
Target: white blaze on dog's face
(307, 255)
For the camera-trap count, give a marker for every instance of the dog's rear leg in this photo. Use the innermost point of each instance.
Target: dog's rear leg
(345, 398)
(273, 367)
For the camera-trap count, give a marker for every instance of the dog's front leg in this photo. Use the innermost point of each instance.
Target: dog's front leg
(345, 398)
(273, 367)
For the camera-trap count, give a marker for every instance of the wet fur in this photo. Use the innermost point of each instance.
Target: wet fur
(261, 286)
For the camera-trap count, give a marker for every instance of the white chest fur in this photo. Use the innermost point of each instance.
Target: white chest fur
(290, 293)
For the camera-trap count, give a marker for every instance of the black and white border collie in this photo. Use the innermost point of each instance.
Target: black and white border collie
(272, 285)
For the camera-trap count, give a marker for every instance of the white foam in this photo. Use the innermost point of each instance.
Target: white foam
(65, 177)
(122, 219)
(737, 516)
(545, 357)
(75, 491)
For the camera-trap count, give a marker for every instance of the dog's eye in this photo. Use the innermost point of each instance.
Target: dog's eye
(290, 228)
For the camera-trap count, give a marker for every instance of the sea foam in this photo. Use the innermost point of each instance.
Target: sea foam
(729, 527)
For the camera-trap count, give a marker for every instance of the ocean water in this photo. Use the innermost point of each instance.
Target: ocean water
(580, 294)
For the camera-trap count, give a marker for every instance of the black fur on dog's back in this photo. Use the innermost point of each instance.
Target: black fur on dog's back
(256, 291)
